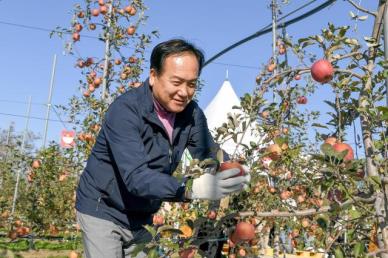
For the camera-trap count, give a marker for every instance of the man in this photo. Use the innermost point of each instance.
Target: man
(141, 141)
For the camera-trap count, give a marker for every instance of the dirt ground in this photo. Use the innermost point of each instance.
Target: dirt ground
(35, 254)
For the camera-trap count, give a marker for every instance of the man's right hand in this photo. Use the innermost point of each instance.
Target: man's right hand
(219, 185)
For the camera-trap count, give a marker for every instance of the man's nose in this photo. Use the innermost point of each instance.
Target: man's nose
(183, 91)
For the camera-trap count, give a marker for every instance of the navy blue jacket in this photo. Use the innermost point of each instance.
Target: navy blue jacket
(128, 173)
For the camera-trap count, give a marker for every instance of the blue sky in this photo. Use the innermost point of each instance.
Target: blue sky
(27, 55)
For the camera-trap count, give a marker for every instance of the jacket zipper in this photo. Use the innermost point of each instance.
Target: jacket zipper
(170, 154)
(98, 203)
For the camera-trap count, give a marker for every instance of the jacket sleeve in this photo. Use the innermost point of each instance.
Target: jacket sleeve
(201, 144)
(121, 128)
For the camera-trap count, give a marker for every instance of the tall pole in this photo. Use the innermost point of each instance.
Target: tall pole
(8, 135)
(22, 152)
(386, 46)
(7, 142)
(105, 76)
(49, 100)
(274, 10)
(274, 38)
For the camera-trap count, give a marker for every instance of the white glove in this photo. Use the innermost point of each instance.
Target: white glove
(216, 186)
(247, 176)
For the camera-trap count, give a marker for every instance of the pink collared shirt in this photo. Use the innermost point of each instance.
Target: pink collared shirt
(167, 118)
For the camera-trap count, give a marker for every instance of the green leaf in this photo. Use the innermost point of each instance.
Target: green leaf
(358, 250)
(354, 214)
(376, 179)
(138, 248)
(331, 27)
(319, 38)
(323, 221)
(220, 155)
(320, 125)
(171, 229)
(190, 223)
(341, 155)
(302, 40)
(151, 230)
(384, 112)
(338, 253)
(222, 130)
(153, 253)
(327, 149)
(343, 30)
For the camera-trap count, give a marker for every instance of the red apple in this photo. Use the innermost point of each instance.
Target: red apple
(282, 49)
(103, 9)
(285, 195)
(78, 27)
(188, 252)
(244, 232)
(95, 12)
(81, 14)
(131, 30)
(232, 164)
(322, 71)
(301, 100)
(340, 147)
(158, 219)
(274, 151)
(331, 140)
(80, 63)
(212, 215)
(76, 36)
(271, 67)
(36, 163)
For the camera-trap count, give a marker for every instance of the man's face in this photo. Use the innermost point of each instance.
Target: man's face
(175, 86)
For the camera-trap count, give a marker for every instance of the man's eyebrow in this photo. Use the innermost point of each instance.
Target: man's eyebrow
(181, 79)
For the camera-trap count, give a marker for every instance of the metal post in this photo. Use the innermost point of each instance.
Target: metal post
(8, 135)
(274, 38)
(386, 45)
(22, 151)
(105, 88)
(7, 141)
(49, 100)
(274, 9)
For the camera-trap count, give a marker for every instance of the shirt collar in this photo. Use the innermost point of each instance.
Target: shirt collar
(160, 109)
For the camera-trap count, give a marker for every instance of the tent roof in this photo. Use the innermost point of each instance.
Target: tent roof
(222, 104)
(217, 113)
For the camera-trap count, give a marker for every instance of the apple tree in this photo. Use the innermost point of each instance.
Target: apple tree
(308, 192)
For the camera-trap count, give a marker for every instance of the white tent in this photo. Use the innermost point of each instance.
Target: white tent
(217, 113)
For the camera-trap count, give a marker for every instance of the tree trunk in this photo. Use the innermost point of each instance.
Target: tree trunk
(367, 126)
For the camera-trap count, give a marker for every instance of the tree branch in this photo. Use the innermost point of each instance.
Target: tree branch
(362, 9)
(345, 56)
(267, 82)
(351, 73)
(306, 212)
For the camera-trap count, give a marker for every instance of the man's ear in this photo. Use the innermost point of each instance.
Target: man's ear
(153, 76)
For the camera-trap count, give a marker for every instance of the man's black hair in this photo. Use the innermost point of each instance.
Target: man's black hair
(171, 47)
